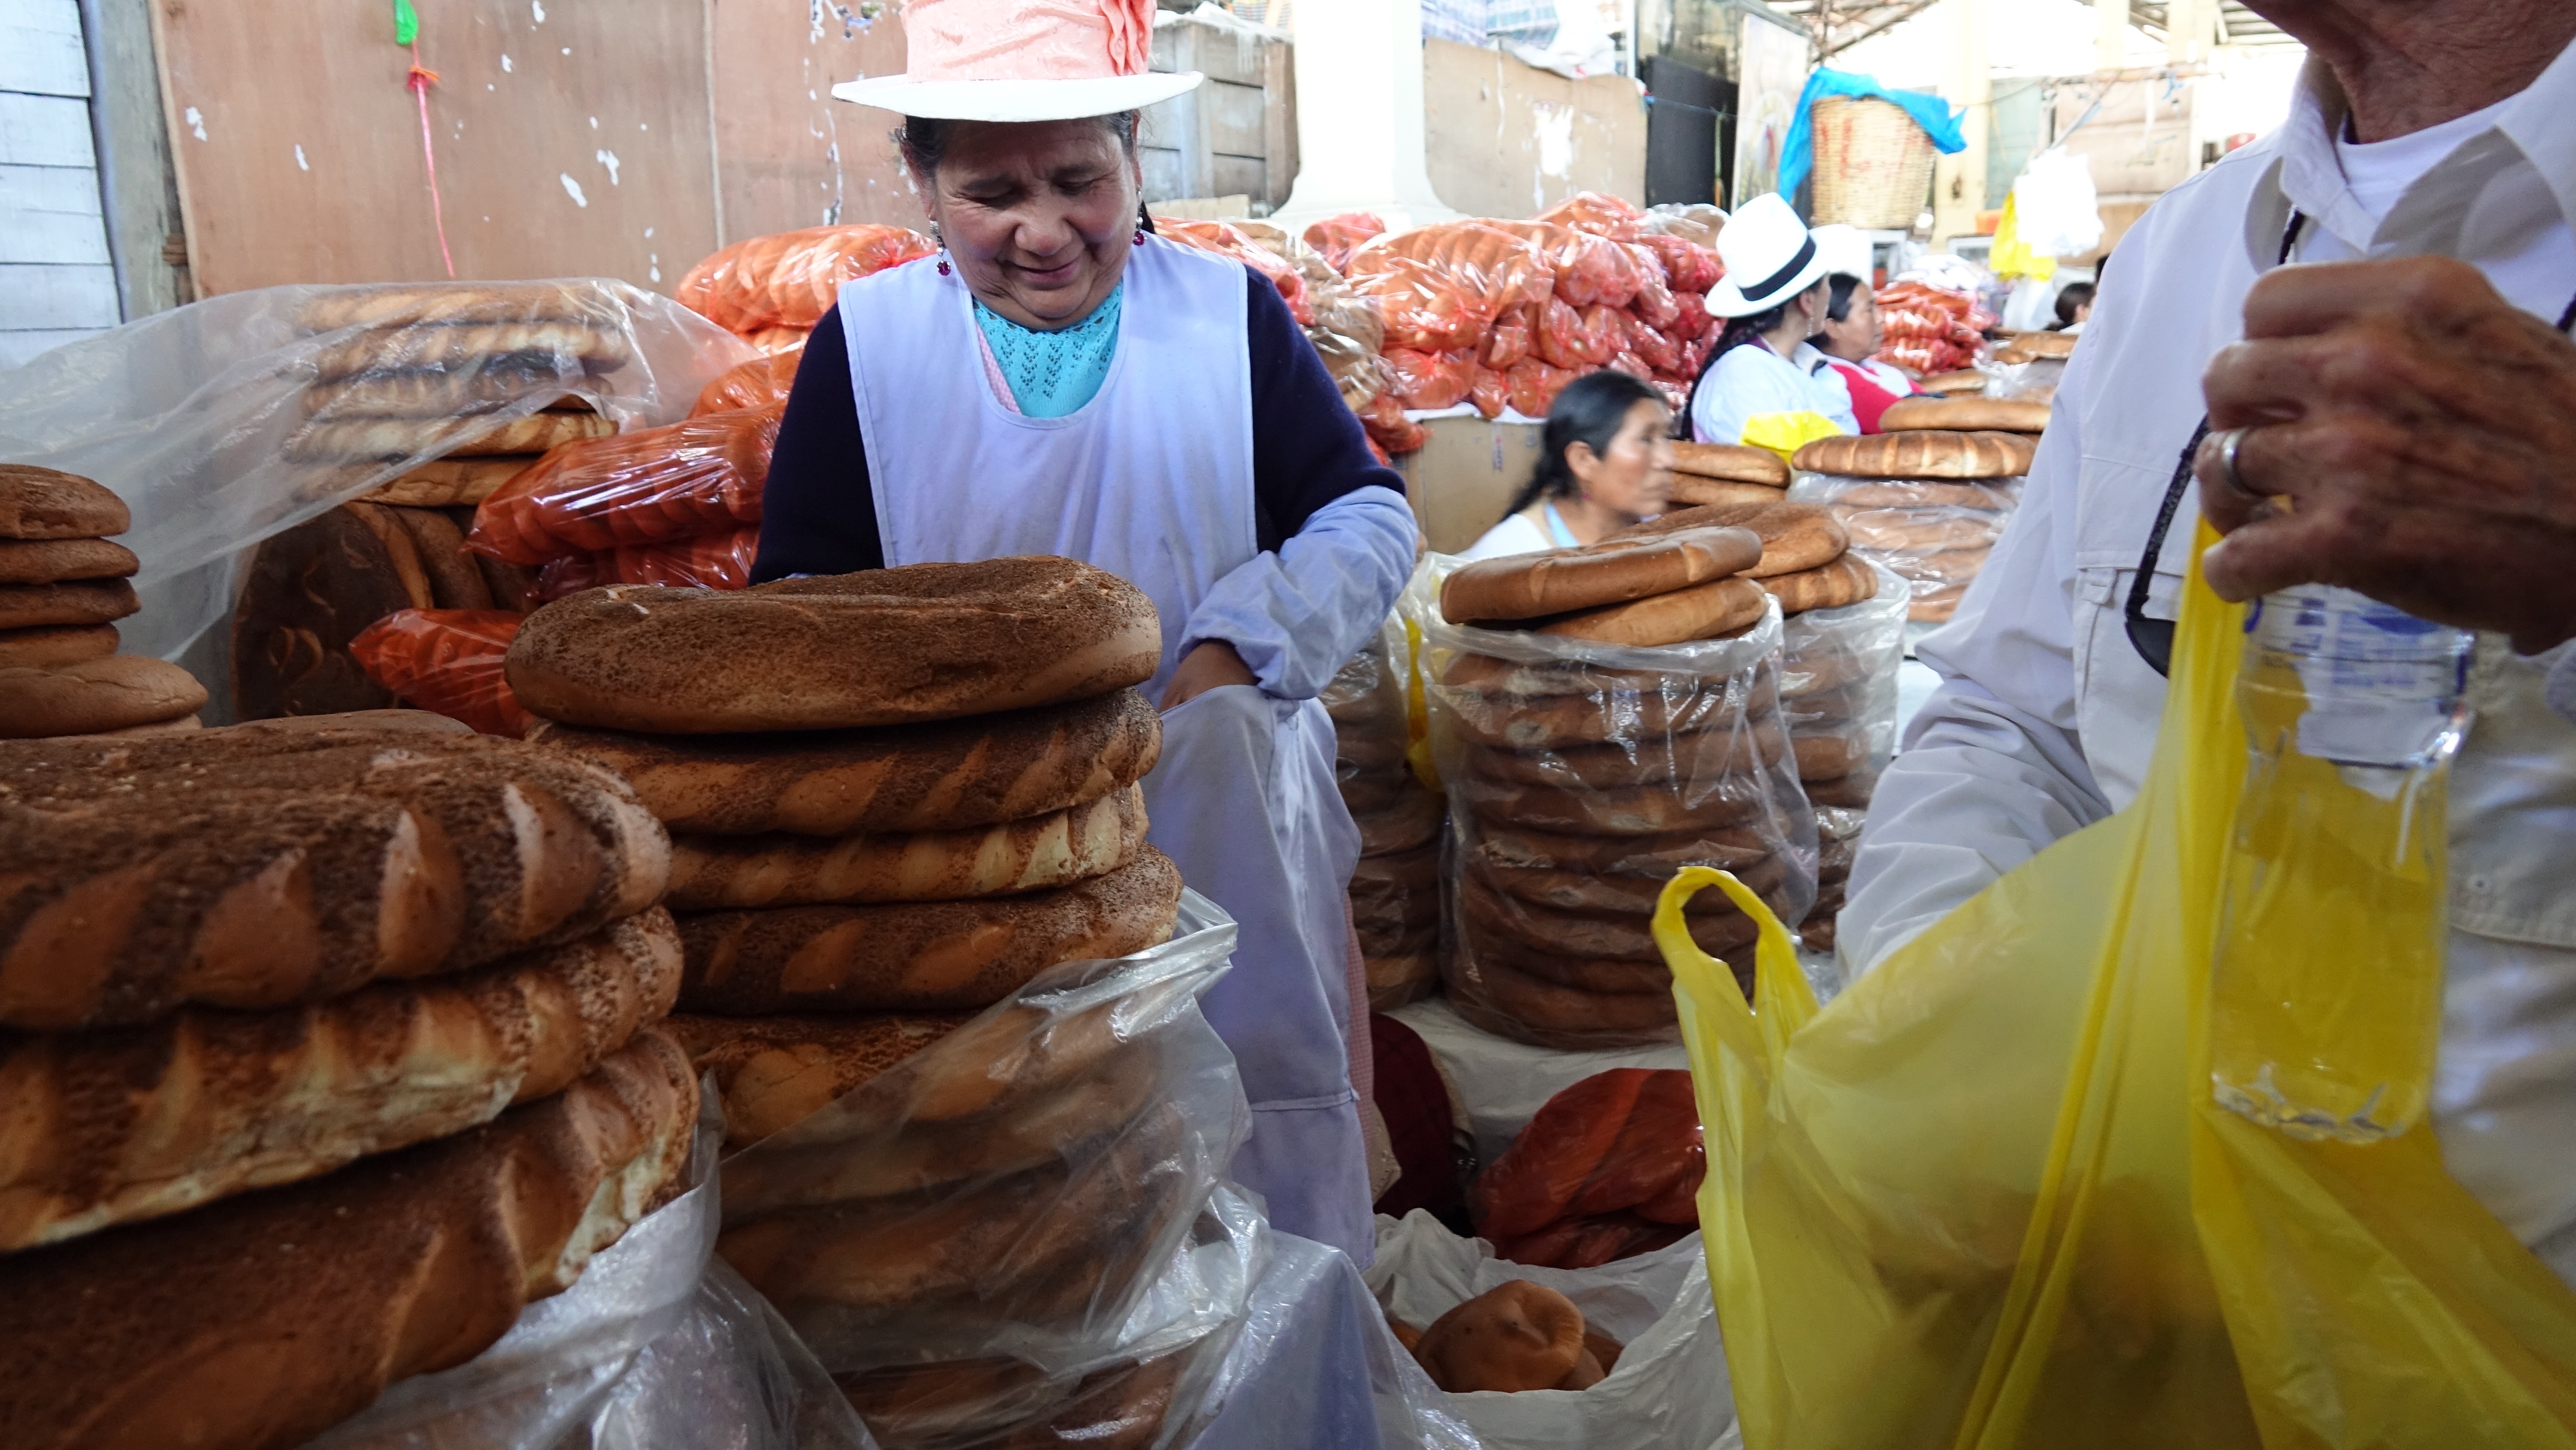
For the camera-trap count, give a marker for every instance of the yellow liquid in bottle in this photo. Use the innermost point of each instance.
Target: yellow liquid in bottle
(2325, 1000)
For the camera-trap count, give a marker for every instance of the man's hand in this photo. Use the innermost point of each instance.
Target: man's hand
(2413, 437)
(1210, 663)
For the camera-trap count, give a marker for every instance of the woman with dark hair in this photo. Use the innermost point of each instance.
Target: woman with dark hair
(1848, 335)
(1605, 462)
(1758, 387)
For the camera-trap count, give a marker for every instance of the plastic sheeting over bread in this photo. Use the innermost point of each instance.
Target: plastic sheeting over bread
(228, 420)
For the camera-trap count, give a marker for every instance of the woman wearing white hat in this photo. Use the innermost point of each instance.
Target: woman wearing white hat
(1764, 384)
(1059, 381)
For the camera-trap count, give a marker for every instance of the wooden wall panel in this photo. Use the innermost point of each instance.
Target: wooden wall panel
(788, 154)
(574, 139)
(1507, 140)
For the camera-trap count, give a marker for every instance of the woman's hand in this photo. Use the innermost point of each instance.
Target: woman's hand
(1210, 663)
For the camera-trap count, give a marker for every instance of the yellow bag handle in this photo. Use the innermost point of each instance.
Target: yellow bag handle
(1757, 1031)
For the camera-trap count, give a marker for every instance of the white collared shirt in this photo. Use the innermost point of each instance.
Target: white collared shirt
(2046, 715)
(1750, 381)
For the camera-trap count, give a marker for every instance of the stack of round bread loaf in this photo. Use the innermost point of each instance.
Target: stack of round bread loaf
(1581, 776)
(1929, 502)
(62, 586)
(1395, 888)
(324, 1050)
(896, 797)
(1720, 473)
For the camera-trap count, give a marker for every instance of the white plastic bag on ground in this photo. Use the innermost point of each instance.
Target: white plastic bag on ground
(1670, 1390)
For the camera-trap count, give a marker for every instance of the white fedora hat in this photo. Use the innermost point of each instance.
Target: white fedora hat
(1770, 257)
(1022, 60)
(1845, 250)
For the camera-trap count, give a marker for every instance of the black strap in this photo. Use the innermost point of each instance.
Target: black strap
(1761, 291)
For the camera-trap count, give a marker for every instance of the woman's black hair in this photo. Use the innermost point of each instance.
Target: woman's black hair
(1838, 303)
(923, 140)
(2075, 295)
(1591, 411)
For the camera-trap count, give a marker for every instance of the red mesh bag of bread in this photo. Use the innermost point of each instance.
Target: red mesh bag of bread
(1442, 286)
(1654, 297)
(1229, 241)
(1691, 319)
(1490, 391)
(698, 476)
(790, 279)
(1688, 266)
(1429, 380)
(762, 382)
(1424, 307)
(1657, 347)
(709, 561)
(1508, 343)
(1633, 365)
(1588, 268)
(1389, 429)
(1596, 212)
(447, 661)
(1626, 1140)
(1339, 236)
(1534, 386)
(1577, 340)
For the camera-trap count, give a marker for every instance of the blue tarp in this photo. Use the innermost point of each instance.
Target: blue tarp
(1938, 118)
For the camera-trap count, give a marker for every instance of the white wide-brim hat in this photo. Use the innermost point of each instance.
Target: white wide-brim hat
(1013, 60)
(1845, 250)
(1770, 257)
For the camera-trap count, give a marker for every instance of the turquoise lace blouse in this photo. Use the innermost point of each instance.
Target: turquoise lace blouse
(1051, 374)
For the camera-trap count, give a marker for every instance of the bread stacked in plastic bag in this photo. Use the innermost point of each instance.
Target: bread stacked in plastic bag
(2029, 365)
(62, 587)
(1727, 473)
(1602, 716)
(1395, 888)
(1928, 503)
(327, 1049)
(1842, 637)
(899, 800)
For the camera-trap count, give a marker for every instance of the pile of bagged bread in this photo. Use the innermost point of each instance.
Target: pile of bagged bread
(1395, 887)
(325, 1050)
(1838, 664)
(1584, 764)
(1929, 497)
(62, 587)
(895, 797)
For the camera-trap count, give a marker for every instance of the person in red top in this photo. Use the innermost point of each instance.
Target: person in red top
(1850, 333)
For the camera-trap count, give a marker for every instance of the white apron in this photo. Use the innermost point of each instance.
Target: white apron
(1152, 481)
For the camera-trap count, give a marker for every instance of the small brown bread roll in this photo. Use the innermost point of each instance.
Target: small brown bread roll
(47, 503)
(1705, 611)
(569, 347)
(1735, 461)
(1830, 756)
(260, 1321)
(55, 644)
(51, 561)
(90, 601)
(1847, 580)
(1692, 491)
(878, 647)
(451, 482)
(309, 591)
(947, 775)
(110, 1127)
(1921, 454)
(1515, 1336)
(91, 696)
(1794, 536)
(2003, 415)
(921, 957)
(1984, 496)
(1535, 586)
(454, 582)
(717, 872)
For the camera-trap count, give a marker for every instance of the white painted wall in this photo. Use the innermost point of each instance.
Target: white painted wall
(56, 280)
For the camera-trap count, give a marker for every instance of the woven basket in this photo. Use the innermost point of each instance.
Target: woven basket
(1873, 163)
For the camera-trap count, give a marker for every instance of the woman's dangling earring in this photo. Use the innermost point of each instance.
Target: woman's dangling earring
(1140, 236)
(941, 243)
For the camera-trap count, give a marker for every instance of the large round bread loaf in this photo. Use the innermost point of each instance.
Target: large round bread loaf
(879, 647)
(570, 347)
(715, 872)
(1727, 848)
(417, 304)
(47, 503)
(308, 593)
(1658, 810)
(2003, 415)
(1924, 531)
(1523, 1008)
(1735, 461)
(1987, 497)
(1591, 935)
(1414, 818)
(774, 1072)
(253, 868)
(1922, 454)
(1641, 719)
(109, 1127)
(1794, 536)
(1704, 611)
(1692, 491)
(1847, 580)
(1533, 586)
(1702, 756)
(920, 957)
(260, 1321)
(946, 775)
(91, 696)
(391, 439)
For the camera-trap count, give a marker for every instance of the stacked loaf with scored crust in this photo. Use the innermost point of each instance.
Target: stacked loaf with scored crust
(895, 797)
(326, 1050)
(62, 587)
(1724, 473)
(1576, 787)
(1928, 503)
(1395, 895)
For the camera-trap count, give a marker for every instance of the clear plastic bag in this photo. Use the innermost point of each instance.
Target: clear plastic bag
(1226, 240)
(1669, 1387)
(1838, 689)
(1440, 287)
(1934, 533)
(447, 661)
(1022, 1221)
(1336, 237)
(1588, 268)
(228, 420)
(790, 279)
(1697, 222)
(1388, 428)
(1598, 213)
(695, 477)
(763, 382)
(1581, 775)
(1430, 381)
(1395, 888)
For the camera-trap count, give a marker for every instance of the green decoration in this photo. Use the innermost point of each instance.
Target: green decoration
(406, 23)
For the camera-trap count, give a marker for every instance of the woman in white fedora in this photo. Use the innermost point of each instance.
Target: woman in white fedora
(1056, 380)
(1765, 384)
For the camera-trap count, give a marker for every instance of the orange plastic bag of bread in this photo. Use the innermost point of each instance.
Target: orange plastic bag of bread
(1653, 301)
(709, 561)
(1490, 392)
(698, 476)
(1598, 213)
(1389, 429)
(1339, 236)
(1533, 386)
(1229, 241)
(447, 661)
(1577, 339)
(1509, 342)
(790, 279)
(1588, 268)
(1427, 381)
(1688, 266)
(1608, 1168)
(763, 382)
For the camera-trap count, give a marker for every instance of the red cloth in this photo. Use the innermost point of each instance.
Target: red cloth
(1869, 396)
(1415, 1103)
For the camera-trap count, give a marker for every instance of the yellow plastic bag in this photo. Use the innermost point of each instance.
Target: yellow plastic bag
(1985, 1199)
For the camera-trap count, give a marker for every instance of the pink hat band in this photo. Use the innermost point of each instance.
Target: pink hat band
(1027, 40)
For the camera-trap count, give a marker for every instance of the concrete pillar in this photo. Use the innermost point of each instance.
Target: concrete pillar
(2191, 27)
(1359, 114)
(2110, 34)
(1959, 180)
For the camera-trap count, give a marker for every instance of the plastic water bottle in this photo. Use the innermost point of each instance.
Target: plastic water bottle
(2326, 994)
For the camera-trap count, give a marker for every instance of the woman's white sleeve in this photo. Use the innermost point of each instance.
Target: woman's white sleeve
(1298, 615)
